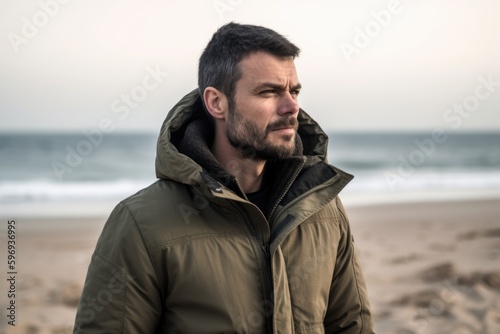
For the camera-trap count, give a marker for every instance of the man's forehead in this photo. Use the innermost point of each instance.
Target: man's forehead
(262, 67)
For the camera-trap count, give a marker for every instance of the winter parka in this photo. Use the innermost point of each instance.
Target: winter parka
(191, 254)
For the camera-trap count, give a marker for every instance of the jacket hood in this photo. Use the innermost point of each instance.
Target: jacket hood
(187, 120)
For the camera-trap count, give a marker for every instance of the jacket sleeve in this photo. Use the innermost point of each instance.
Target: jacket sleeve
(121, 293)
(348, 306)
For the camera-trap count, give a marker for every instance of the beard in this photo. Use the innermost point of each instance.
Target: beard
(253, 141)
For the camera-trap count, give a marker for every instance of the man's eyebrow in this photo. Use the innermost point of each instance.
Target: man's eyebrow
(276, 86)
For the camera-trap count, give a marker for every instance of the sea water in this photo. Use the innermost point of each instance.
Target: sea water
(72, 174)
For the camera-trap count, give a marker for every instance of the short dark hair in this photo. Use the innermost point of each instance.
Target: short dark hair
(219, 62)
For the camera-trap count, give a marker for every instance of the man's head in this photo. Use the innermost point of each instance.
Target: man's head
(249, 86)
(219, 62)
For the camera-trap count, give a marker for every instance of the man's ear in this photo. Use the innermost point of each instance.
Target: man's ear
(215, 102)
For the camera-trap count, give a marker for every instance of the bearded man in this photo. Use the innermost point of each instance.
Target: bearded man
(244, 231)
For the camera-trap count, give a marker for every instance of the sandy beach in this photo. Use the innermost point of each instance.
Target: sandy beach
(430, 267)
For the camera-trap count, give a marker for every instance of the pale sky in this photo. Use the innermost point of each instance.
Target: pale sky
(365, 65)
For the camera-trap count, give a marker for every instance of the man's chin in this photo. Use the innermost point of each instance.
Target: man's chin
(283, 151)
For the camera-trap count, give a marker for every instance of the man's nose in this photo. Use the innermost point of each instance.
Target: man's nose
(288, 104)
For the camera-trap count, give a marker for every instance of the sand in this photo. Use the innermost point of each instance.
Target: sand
(430, 267)
(52, 260)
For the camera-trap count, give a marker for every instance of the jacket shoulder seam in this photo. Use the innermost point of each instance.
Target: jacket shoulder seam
(196, 236)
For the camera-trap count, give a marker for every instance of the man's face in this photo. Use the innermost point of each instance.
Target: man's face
(262, 125)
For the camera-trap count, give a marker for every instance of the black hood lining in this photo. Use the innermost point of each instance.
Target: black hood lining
(195, 137)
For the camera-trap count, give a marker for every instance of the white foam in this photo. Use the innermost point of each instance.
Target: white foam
(49, 191)
(352, 199)
(57, 209)
(83, 199)
(425, 181)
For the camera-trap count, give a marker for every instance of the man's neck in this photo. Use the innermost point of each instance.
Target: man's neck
(249, 172)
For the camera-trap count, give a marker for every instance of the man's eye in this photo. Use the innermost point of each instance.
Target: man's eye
(295, 92)
(268, 92)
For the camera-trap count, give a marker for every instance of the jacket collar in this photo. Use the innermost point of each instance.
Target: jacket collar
(183, 150)
(196, 142)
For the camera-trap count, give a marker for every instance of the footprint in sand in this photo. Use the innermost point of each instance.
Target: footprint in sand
(471, 235)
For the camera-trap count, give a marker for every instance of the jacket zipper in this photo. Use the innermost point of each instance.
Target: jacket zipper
(289, 185)
(264, 248)
(268, 285)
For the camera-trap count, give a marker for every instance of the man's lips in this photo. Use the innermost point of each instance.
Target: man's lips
(285, 128)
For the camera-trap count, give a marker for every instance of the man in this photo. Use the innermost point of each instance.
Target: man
(243, 232)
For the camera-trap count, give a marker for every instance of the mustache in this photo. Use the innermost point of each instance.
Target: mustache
(282, 123)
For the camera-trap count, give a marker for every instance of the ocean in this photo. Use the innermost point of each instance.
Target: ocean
(78, 174)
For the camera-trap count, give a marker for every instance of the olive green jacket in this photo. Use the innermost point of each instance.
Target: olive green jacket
(190, 253)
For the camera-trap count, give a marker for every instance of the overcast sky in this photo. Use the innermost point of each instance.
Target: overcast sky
(365, 65)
